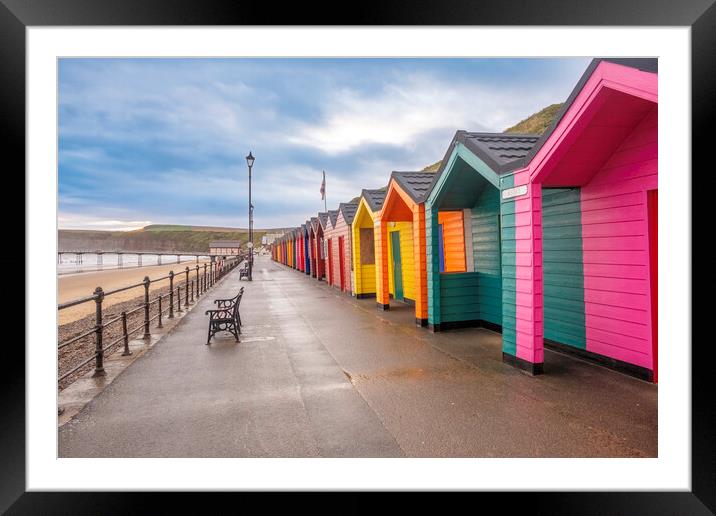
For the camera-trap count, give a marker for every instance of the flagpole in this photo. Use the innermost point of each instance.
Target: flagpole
(325, 197)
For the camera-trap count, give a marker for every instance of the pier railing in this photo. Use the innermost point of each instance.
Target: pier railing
(196, 281)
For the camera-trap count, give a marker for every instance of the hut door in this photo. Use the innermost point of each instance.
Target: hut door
(397, 266)
(331, 275)
(307, 252)
(652, 201)
(341, 263)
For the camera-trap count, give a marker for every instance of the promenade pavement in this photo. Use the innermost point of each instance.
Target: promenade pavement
(320, 374)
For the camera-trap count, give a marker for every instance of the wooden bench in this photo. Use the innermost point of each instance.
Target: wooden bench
(225, 317)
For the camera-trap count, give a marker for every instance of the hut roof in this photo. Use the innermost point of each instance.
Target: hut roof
(323, 219)
(374, 198)
(349, 211)
(650, 65)
(333, 215)
(415, 184)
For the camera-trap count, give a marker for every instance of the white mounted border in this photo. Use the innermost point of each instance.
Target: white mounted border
(670, 471)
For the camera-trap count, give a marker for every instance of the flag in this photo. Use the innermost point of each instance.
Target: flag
(323, 186)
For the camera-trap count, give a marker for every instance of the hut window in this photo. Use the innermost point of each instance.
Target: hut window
(367, 246)
(451, 241)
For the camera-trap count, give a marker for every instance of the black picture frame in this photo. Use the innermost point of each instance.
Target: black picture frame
(17, 15)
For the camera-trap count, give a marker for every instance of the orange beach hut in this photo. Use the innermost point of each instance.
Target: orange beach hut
(400, 243)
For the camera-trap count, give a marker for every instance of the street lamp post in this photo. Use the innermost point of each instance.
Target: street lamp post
(250, 162)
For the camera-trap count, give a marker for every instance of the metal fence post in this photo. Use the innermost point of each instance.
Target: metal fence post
(197, 282)
(125, 335)
(191, 290)
(171, 294)
(146, 282)
(205, 285)
(179, 299)
(99, 350)
(159, 316)
(186, 292)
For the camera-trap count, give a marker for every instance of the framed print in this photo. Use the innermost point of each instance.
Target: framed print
(416, 249)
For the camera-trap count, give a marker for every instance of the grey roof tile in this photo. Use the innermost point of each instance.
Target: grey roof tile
(415, 184)
(323, 219)
(349, 211)
(333, 215)
(374, 198)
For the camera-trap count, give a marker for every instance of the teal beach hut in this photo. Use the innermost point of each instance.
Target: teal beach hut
(462, 225)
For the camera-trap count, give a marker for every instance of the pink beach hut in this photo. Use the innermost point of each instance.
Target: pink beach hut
(579, 226)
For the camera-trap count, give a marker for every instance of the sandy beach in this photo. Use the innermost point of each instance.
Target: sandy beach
(74, 286)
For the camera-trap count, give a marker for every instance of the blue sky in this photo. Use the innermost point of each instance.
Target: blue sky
(163, 141)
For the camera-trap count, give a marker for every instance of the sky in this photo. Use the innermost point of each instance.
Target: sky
(163, 141)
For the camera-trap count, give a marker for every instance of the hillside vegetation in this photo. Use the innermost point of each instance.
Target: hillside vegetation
(432, 168)
(167, 238)
(536, 123)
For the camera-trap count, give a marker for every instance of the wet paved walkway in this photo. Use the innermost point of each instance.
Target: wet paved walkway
(320, 374)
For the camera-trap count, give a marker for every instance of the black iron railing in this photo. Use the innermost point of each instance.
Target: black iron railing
(196, 281)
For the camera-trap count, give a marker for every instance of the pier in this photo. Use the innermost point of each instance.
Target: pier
(81, 254)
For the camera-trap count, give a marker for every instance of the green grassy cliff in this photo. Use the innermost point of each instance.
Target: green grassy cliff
(167, 238)
(536, 123)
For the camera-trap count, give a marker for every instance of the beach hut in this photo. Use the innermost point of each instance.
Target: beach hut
(324, 222)
(313, 246)
(580, 226)
(339, 245)
(330, 243)
(293, 248)
(289, 239)
(300, 260)
(296, 249)
(462, 229)
(285, 250)
(400, 243)
(317, 243)
(362, 233)
(306, 228)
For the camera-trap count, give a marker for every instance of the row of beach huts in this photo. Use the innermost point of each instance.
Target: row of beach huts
(550, 240)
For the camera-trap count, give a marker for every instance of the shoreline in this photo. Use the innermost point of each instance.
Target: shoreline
(111, 268)
(75, 286)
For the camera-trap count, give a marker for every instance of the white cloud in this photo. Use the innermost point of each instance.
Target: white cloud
(164, 142)
(79, 221)
(407, 108)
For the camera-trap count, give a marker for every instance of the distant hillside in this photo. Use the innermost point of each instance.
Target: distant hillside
(536, 123)
(432, 168)
(167, 238)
